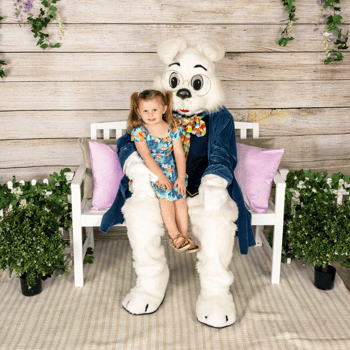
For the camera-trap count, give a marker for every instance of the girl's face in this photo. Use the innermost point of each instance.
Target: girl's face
(152, 111)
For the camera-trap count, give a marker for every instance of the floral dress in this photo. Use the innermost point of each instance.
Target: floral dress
(162, 151)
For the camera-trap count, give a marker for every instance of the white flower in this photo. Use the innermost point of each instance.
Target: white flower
(307, 178)
(314, 190)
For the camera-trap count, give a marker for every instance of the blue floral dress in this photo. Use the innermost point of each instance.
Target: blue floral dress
(162, 151)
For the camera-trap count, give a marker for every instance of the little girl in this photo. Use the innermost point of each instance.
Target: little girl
(158, 140)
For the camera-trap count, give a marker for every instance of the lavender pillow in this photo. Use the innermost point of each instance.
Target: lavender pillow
(106, 174)
(255, 170)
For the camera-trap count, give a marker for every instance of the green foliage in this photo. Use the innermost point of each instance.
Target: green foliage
(31, 243)
(332, 22)
(56, 202)
(319, 233)
(41, 22)
(304, 188)
(88, 259)
(290, 8)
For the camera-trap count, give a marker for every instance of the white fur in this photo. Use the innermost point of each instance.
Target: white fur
(212, 192)
(215, 232)
(145, 229)
(188, 57)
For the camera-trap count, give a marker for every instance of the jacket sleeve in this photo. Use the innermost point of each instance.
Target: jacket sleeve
(125, 147)
(222, 149)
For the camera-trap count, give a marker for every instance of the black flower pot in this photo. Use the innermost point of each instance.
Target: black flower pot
(34, 290)
(324, 280)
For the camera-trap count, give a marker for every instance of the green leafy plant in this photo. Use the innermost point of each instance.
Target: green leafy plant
(42, 21)
(305, 187)
(290, 8)
(53, 196)
(31, 243)
(319, 233)
(88, 259)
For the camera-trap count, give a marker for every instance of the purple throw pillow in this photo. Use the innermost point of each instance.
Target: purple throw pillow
(106, 174)
(255, 170)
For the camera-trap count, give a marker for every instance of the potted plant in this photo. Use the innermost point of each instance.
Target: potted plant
(31, 245)
(319, 233)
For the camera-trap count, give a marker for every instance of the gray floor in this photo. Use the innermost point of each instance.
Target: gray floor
(120, 233)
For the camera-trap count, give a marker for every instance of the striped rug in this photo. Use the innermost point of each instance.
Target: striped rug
(291, 315)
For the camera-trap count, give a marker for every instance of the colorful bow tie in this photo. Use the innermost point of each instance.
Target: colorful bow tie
(189, 125)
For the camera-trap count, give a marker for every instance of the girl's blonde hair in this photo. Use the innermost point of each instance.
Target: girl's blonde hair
(134, 119)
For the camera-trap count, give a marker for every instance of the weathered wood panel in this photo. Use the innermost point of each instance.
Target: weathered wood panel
(52, 152)
(131, 67)
(116, 95)
(144, 38)
(176, 11)
(16, 125)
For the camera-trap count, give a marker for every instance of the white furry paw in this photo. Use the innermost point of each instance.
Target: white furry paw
(216, 311)
(139, 303)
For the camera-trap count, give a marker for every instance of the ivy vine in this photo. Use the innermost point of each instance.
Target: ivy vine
(42, 21)
(290, 8)
(332, 22)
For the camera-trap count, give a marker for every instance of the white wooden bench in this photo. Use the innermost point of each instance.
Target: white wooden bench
(83, 216)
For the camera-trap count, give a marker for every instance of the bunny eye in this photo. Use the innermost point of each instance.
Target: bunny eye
(171, 80)
(174, 80)
(197, 82)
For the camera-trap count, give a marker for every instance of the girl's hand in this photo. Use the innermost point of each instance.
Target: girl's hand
(181, 186)
(164, 182)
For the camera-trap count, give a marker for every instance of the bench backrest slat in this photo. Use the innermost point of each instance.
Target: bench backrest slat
(120, 126)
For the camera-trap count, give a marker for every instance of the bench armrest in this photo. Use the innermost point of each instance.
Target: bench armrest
(76, 184)
(278, 180)
(79, 176)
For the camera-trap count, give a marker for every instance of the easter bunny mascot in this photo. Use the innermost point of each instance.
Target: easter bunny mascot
(214, 199)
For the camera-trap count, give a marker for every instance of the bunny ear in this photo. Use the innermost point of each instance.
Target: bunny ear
(169, 48)
(212, 49)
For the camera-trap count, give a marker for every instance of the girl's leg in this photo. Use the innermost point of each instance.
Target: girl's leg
(167, 210)
(181, 215)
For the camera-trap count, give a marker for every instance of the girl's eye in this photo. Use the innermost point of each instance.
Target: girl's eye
(155, 110)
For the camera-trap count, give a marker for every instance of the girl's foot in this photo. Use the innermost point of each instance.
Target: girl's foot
(179, 243)
(193, 247)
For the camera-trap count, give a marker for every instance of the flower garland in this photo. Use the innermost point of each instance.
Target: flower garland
(40, 21)
(290, 8)
(37, 23)
(332, 22)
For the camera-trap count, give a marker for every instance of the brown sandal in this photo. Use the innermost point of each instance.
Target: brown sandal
(185, 245)
(193, 247)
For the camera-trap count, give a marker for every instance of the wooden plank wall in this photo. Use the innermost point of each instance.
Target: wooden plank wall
(49, 98)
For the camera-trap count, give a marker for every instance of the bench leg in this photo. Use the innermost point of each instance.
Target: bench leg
(90, 236)
(258, 232)
(276, 253)
(78, 255)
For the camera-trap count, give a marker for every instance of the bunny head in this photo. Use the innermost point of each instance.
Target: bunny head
(190, 75)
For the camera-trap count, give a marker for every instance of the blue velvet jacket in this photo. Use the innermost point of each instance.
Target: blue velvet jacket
(222, 161)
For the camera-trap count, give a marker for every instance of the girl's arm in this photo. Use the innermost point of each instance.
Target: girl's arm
(152, 165)
(179, 158)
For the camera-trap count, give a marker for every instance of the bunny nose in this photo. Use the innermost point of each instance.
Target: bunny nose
(184, 93)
